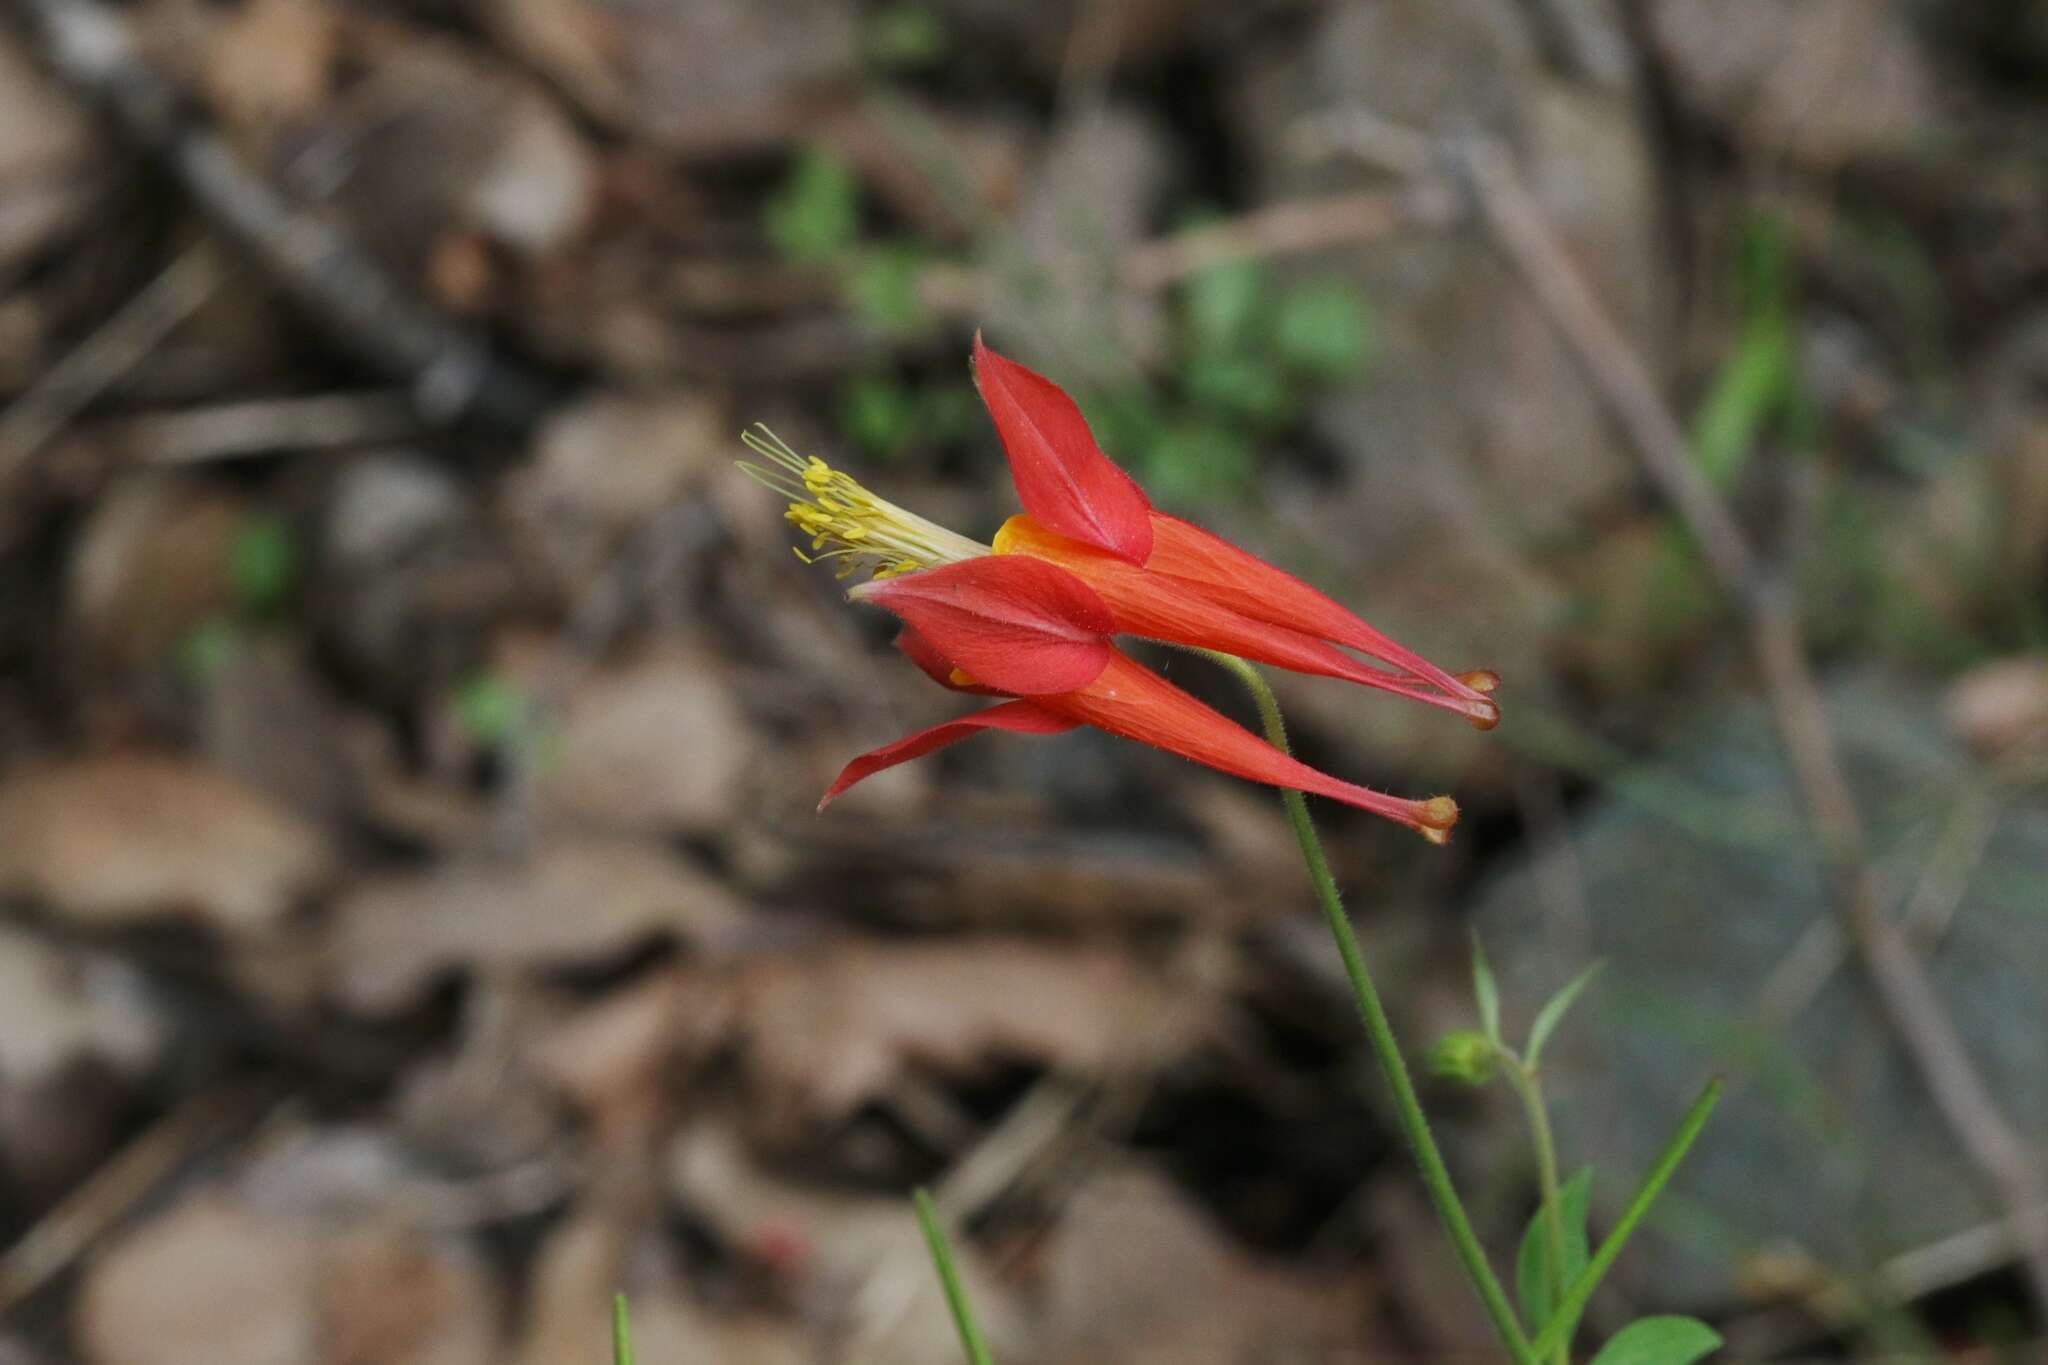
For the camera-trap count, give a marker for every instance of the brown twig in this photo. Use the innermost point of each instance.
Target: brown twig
(361, 306)
(117, 1187)
(1284, 229)
(1771, 614)
(117, 347)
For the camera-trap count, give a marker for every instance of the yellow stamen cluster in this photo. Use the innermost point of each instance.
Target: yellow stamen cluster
(846, 522)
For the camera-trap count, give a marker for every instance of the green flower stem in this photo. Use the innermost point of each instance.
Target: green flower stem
(1573, 1303)
(1436, 1177)
(1530, 1088)
(971, 1339)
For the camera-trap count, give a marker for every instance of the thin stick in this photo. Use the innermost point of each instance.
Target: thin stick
(1913, 1010)
(1284, 229)
(120, 344)
(125, 1180)
(971, 1339)
(360, 304)
(1436, 1176)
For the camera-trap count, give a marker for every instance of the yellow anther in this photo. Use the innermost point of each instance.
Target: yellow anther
(843, 520)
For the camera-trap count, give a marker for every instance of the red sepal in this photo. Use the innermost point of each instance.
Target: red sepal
(935, 665)
(1022, 717)
(1063, 478)
(1130, 700)
(1017, 625)
(1179, 611)
(1242, 580)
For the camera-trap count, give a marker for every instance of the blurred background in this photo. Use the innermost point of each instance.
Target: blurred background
(415, 921)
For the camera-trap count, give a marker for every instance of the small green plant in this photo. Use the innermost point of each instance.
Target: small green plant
(1555, 1269)
(1249, 356)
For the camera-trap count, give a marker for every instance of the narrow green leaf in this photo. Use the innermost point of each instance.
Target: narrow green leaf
(1751, 386)
(1581, 1289)
(622, 1332)
(971, 1340)
(1552, 1013)
(1536, 1285)
(1485, 992)
(1659, 1341)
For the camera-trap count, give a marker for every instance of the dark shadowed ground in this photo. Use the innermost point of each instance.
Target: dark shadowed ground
(413, 920)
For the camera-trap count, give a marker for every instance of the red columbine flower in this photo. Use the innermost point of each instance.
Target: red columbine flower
(1030, 618)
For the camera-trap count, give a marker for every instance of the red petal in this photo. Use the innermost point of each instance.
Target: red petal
(1160, 607)
(1062, 477)
(1132, 701)
(1017, 625)
(1238, 579)
(935, 665)
(1022, 717)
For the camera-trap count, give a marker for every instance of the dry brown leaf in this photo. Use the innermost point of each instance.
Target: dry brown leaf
(151, 563)
(658, 745)
(216, 1280)
(124, 837)
(389, 1298)
(58, 1007)
(48, 165)
(829, 1031)
(859, 1257)
(574, 901)
(269, 62)
(209, 1280)
(1136, 1274)
(608, 1058)
(1823, 80)
(606, 463)
(437, 140)
(697, 75)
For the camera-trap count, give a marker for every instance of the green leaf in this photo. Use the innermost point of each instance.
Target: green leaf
(1196, 460)
(904, 37)
(816, 213)
(1322, 330)
(878, 415)
(493, 709)
(1222, 306)
(204, 650)
(1536, 1284)
(1659, 1341)
(1751, 387)
(1485, 992)
(882, 286)
(1553, 1012)
(263, 561)
(1241, 385)
(622, 1332)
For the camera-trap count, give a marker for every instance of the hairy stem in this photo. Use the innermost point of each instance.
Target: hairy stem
(1530, 1088)
(1436, 1177)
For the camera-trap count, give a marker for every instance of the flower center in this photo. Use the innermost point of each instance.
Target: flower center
(844, 521)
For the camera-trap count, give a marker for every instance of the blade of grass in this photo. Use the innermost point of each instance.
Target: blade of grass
(622, 1332)
(949, 1276)
(1574, 1301)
